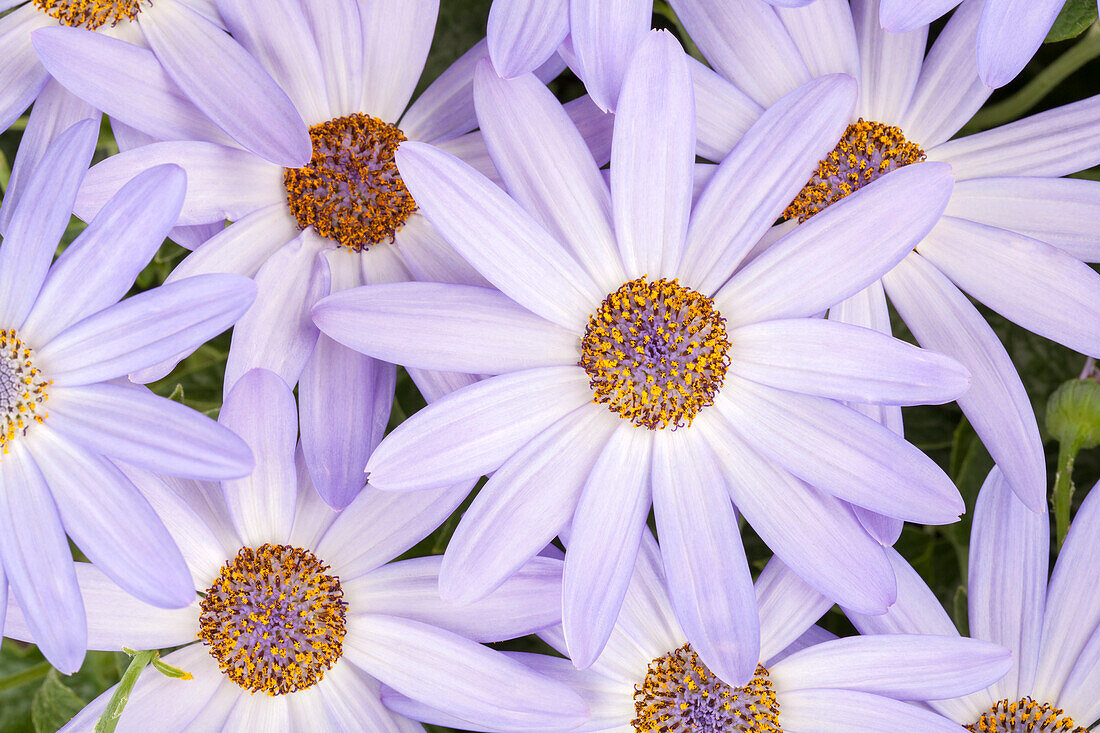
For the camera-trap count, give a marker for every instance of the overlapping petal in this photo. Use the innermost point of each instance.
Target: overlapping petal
(452, 328)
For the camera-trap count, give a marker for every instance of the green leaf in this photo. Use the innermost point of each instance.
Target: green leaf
(1076, 16)
(177, 394)
(54, 704)
(169, 671)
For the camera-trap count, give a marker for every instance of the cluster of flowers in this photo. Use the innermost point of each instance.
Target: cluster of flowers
(601, 323)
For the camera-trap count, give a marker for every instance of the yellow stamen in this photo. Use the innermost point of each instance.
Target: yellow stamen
(679, 694)
(866, 151)
(23, 392)
(1024, 715)
(351, 191)
(90, 14)
(274, 620)
(655, 353)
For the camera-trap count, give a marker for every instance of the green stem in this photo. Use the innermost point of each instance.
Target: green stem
(1090, 365)
(30, 674)
(5, 172)
(1063, 488)
(1046, 80)
(665, 10)
(109, 720)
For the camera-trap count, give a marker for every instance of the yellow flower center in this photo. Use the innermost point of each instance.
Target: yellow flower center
(655, 353)
(90, 14)
(351, 191)
(22, 389)
(680, 694)
(866, 151)
(274, 619)
(1024, 716)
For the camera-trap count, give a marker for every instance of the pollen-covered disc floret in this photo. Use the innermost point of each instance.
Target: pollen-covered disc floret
(1025, 716)
(91, 14)
(655, 353)
(680, 694)
(351, 191)
(274, 619)
(866, 151)
(22, 389)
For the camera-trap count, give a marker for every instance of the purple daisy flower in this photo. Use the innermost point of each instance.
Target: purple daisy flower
(1014, 235)
(1009, 32)
(188, 41)
(312, 655)
(1052, 630)
(651, 679)
(630, 372)
(65, 342)
(343, 220)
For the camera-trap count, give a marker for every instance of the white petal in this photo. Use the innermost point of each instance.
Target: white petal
(948, 91)
(498, 237)
(709, 581)
(1031, 283)
(260, 408)
(890, 64)
(1064, 212)
(944, 320)
(474, 430)
(1052, 143)
(652, 158)
(524, 505)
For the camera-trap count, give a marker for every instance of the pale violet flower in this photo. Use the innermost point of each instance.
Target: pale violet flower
(1009, 33)
(311, 656)
(303, 233)
(725, 383)
(650, 679)
(186, 40)
(1015, 236)
(1052, 629)
(65, 413)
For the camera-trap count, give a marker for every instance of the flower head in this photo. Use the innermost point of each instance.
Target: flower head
(1052, 628)
(630, 373)
(181, 42)
(650, 681)
(295, 614)
(1009, 236)
(338, 217)
(65, 420)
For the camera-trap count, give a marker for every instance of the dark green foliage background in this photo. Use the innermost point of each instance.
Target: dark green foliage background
(33, 697)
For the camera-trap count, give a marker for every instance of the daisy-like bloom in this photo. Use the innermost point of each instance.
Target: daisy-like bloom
(629, 374)
(64, 417)
(1014, 234)
(299, 618)
(343, 220)
(1009, 33)
(1052, 630)
(188, 40)
(651, 680)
